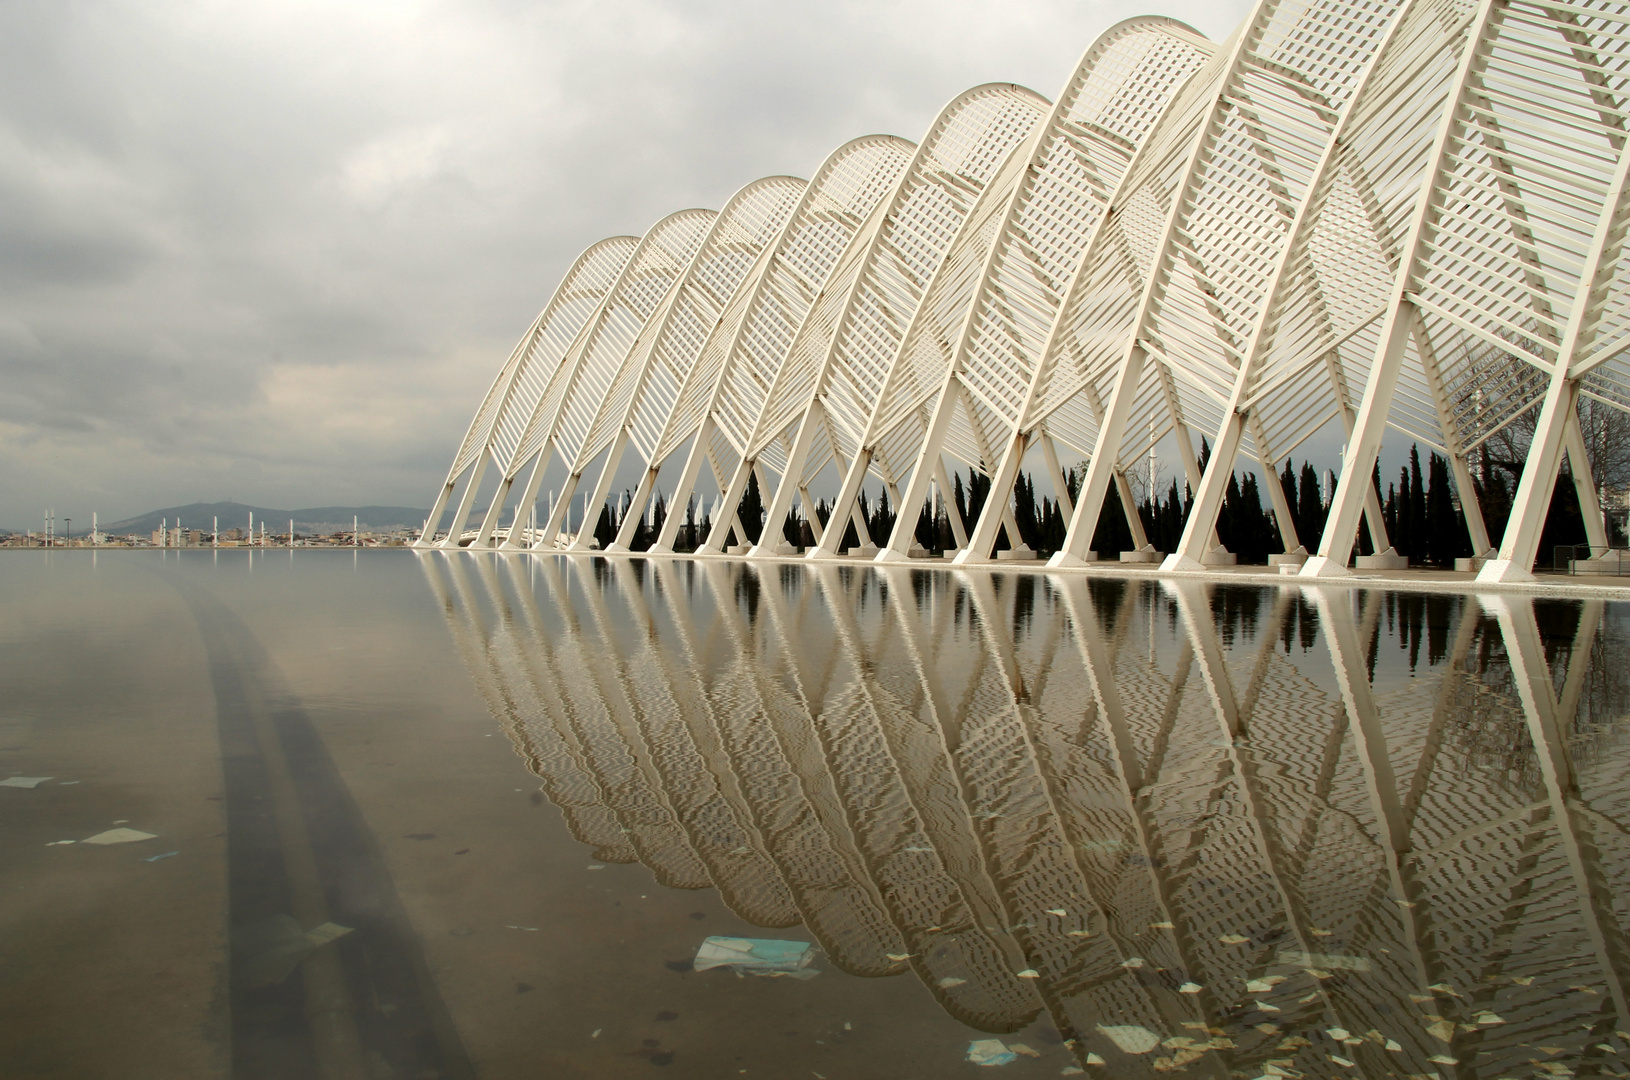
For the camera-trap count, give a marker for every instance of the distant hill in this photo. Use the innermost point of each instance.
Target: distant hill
(313, 519)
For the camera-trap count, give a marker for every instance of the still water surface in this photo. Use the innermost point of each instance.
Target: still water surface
(453, 816)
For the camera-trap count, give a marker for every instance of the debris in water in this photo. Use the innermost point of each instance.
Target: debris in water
(990, 1052)
(757, 956)
(166, 855)
(1060, 912)
(1190, 988)
(1130, 1038)
(120, 836)
(1264, 985)
(1021, 1048)
(1298, 958)
(948, 982)
(29, 782)
(1133, 962)
(1028, 973)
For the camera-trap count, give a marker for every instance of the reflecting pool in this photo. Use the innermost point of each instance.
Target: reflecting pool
(444, 815)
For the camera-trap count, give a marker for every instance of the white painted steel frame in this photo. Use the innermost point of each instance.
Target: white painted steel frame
(1420, 204)
(962, 368)
(729, 383)
(839, 359)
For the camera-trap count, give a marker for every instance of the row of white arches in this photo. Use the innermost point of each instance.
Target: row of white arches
(1371, 213)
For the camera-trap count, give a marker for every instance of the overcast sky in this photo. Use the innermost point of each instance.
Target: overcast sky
(275, 252)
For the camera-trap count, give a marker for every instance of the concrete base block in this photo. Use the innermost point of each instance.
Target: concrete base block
(1147, 555)
(1471, 565)
(1292, 559)
(1022, 553)
(865, 551)
(919, 552)
(1383, 560)
(738, 549)
(1220, 557)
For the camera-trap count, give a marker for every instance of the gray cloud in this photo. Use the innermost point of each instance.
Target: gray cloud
(276, 252)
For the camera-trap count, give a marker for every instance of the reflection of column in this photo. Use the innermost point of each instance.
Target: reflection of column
(666, 705)
(771, 751)
(1545, 726)
(605, 732)
(1394, 817)
(1134, 776)
(558, 759)
(1192, 604)
(885, 753)
(1032, 794)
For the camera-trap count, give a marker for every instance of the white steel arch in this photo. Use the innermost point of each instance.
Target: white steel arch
(645, 384)
(1516, 244)
(1412, 206)
(559, 422)
(1314, 330)
(498, 423)
(840, 357)
(744, 352)
(963, 366)
(1273, 113)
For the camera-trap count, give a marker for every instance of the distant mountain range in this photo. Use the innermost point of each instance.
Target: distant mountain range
(234, 515)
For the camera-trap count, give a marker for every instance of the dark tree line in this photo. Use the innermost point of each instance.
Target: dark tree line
(1422, 514)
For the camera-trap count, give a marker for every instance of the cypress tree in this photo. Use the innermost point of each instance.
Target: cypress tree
(1310, 509)
(1418, 531)
(1446, 528)
(752, 510)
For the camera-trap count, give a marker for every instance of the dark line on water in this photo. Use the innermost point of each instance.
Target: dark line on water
(403, 1028)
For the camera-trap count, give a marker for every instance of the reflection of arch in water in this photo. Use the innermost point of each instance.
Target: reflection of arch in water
(883, 747)
(669, 713)
(791, 812)
(532, 716)
(953, 758)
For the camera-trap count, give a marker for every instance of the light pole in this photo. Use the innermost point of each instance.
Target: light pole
(70, 522)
